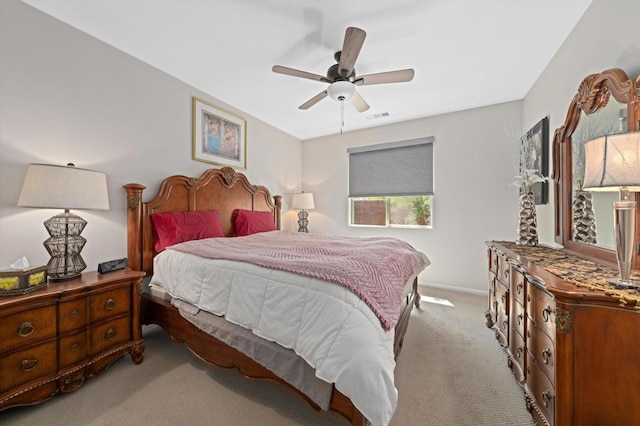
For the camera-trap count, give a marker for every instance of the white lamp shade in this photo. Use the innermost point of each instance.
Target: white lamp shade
(341, 90)
(64, 187)
(613, 162)
(303, 201)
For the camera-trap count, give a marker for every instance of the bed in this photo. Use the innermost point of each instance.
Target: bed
(223, 341)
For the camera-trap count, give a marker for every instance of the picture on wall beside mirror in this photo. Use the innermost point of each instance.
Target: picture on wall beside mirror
(535, 149)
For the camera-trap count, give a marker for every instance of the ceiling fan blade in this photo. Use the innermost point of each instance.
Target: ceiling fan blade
(353, 40)
(311, 102)
(360, 104)
(398, 76)
(297, 73)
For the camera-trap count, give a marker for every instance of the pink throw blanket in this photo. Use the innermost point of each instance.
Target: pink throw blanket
(374, 268)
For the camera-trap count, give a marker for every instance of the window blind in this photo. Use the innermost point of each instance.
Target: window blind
(392, 169)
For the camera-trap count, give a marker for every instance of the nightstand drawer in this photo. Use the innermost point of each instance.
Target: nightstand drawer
(72, 315)
(109, 334)
(24, 328)
(108, 304)
(73, 348)
(27, 365)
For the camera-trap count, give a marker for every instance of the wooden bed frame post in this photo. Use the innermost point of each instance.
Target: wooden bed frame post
(134, 220)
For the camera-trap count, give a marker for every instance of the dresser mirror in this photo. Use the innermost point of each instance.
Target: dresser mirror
(605, 104)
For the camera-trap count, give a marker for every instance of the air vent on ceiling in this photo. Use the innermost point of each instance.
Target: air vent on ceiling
(376, 116)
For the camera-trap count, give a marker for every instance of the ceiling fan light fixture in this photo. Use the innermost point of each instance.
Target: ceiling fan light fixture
(341, 90)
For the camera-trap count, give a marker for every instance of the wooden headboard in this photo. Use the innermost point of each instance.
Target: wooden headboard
(222, 189)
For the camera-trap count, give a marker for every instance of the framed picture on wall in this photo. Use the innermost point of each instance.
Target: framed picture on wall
(219, 137)
(537, 157)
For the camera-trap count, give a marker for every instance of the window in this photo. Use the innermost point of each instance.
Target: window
(391, 184)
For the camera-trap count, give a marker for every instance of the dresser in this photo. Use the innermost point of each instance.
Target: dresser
(55, 338)
(572, 340)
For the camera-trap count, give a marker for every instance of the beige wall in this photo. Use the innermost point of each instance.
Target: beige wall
(67, 97)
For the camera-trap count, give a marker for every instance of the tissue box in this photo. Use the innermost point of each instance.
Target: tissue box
(21, 281)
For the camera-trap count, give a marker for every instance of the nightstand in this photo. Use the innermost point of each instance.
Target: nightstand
(53, 339)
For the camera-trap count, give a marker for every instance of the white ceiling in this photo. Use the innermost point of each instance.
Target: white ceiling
(466, 53)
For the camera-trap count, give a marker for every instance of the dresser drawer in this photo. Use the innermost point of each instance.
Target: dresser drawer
(517, 317)
(72, 315)
(504, 269)
(530, 299)
(545, 353)
(544, 316)
(112, 333)
(493, 261)
(493, 303)
(30, 364)
(24, 328)
(108, 304)
(518, 355)
(73, 348)
(541, 390)
(502, 312)
(518, 284)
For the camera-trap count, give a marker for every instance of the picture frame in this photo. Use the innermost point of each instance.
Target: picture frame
(219, 137)
(537, 149)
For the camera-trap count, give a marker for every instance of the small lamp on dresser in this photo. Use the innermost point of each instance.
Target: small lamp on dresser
(612, 163)
(64, 187)
(303, 201)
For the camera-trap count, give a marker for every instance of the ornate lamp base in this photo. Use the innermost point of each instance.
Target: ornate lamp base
(64, 246)
(302, 221)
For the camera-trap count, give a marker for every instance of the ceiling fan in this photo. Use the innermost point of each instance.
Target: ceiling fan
(342, 76)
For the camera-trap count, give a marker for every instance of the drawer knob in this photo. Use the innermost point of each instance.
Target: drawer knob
(74, 347)
(26, 329)
(520, 319)
(546, 313)
(110, 334)
(74, 313)
(546, 398)
(546, 354)
(110, 304)
(28, 364)
(519, 288)
(519, 351)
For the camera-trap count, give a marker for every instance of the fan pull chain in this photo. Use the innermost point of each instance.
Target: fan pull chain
(341, 116)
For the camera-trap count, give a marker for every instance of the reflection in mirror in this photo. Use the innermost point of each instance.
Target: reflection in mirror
(589, 208)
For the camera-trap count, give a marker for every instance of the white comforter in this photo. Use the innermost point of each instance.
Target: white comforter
(324, 323)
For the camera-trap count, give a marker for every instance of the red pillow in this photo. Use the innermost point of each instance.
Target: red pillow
(176, 227)
(249, 222)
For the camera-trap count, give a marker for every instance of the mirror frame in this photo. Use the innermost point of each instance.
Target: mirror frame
(593, 94)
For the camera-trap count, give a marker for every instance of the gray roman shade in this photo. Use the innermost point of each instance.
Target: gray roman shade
(392, 169)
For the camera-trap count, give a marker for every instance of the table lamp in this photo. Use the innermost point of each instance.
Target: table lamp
(64, 187)
(612, 163)
(303, 201)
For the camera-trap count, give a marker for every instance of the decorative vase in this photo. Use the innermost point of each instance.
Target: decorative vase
(584, 223)
(527, 226)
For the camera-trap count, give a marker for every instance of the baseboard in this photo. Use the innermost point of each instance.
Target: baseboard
(454, 288)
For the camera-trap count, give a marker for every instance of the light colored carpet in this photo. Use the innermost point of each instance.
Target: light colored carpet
(451, 372)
